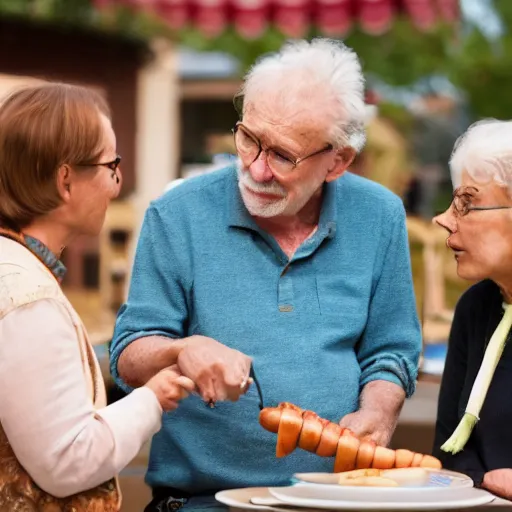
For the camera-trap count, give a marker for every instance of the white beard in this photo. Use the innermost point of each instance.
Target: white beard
(256, 206)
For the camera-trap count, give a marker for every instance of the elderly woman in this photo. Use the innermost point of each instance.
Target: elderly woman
(60, 445)
(473, 431)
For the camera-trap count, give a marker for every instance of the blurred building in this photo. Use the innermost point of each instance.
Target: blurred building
(140, 82)
(207, 83)
(106, 63)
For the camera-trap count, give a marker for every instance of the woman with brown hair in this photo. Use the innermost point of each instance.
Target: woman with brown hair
(61, 447)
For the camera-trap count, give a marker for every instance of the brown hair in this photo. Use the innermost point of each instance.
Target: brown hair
(43, 127)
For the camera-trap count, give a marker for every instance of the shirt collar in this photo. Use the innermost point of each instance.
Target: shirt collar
(239, 216)
(53, 263)
(329, 211)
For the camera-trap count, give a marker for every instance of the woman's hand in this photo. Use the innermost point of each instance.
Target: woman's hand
(170, 386)
(499, 482)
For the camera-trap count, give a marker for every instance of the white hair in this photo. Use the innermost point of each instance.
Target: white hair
(321, 69)
(484, 151)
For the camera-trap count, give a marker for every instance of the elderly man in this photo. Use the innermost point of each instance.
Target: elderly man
(286, 263)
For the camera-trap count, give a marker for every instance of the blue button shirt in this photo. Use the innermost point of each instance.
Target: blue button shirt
(337, 315)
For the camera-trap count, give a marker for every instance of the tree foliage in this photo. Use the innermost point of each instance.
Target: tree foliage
(404, 55)
(68, 14)
(482, 68)
(479, 67)
(401, 56)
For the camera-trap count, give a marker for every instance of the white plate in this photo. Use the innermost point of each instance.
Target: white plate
(378, 498)
(438, 481)
(241, 498)
(427, 477)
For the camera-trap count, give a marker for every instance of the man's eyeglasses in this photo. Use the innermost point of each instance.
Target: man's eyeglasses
(249, 148)
(462, 205)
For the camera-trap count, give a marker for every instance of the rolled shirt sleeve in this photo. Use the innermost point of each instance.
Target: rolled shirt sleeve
(391, 342)
(65, 445)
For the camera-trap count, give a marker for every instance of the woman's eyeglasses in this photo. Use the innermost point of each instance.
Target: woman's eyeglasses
(462, 205)
(113, 166)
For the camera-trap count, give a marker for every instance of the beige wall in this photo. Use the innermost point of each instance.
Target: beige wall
(158, 132)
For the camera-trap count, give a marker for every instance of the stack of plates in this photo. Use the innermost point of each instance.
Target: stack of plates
(442, 490)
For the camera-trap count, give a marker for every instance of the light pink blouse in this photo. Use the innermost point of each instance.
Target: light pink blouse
(65, 445)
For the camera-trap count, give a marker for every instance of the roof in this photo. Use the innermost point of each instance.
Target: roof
(333, 18)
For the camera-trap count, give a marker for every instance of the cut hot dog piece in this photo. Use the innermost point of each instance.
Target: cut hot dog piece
(311, 432)
(289, 405)
(365, 455)
(403, 458)
(329, 440)
(416, 460)
(383, 458)
(289, 432)
(430, 462)
(270, 418)
(346, 454)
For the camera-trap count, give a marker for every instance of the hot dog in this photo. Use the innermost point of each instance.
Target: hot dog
(298, 427)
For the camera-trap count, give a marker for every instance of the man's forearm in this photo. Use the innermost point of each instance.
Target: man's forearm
(145, 357)
(380, 404)
(384, 397)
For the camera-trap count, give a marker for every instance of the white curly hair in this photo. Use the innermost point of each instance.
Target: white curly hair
(484, 151)
(306, 72)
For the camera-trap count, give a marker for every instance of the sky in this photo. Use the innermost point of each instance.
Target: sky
(481, 13)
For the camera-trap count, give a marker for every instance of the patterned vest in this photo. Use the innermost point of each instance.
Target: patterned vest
(25, 279)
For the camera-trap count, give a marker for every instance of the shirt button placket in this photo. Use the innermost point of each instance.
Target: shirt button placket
(285, 291)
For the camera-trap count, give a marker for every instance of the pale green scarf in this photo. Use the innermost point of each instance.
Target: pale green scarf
(492, 355)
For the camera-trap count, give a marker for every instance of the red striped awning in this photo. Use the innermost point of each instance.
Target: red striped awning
(293, 17)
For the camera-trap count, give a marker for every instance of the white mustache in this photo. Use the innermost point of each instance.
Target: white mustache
(272, 188)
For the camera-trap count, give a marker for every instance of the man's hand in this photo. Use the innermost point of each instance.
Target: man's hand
(380, 405)
(499, 482)
(219, 372)
(370, 425)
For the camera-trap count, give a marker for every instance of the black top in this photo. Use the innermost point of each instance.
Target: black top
(477, 315)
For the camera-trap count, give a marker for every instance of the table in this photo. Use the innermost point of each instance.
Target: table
(209, 504)
(496, 506)
(245, 494)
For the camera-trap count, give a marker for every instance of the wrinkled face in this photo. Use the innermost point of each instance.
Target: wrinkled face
(270, 186)
(93, 188)
(481, 239)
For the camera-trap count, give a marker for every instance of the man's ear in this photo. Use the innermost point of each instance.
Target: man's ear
(344, 157)
(64, 178)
